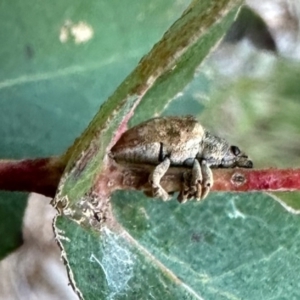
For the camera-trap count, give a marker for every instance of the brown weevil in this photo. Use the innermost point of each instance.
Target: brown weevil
(178, 141)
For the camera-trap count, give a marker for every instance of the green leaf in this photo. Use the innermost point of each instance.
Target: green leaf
(231, 246)
(50, 89)
(172, 82)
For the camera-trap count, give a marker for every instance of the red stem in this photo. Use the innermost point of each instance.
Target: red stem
(257, 180)
(239, 180)
(43, 176)
(40, 175)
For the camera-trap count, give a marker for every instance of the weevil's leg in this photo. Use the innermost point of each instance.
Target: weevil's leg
(196, 183)
(208, 181)
(192, 184)
(155, 177)
(184, 194)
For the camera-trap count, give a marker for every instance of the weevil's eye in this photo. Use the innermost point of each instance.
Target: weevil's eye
(235, 150)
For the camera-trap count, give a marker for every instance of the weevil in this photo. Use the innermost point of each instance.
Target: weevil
(178, 141)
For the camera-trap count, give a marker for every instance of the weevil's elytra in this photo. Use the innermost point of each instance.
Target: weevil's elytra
(178, 141)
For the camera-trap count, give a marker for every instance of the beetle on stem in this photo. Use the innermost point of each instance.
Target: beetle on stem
(178, 141)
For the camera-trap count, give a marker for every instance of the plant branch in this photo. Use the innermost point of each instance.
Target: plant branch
(40, 175)
(235, 180)
(43, 175)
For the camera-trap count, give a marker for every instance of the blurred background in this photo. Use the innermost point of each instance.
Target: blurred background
(61, 60)
(248, 89)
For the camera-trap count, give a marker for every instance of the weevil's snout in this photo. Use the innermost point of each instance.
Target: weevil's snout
(236, 158)
(244, 163)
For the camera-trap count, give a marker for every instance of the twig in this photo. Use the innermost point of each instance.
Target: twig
(235, 180)
(43, 175)
(40, 175)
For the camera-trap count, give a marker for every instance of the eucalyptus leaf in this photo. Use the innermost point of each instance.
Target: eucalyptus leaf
(231, 246)
(51, 86)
